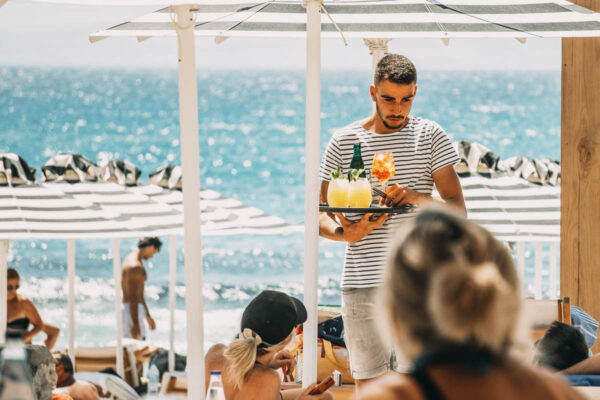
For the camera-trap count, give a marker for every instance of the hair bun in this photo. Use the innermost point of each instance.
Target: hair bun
(470, 303)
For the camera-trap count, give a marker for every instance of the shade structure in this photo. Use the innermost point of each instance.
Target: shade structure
(109, 210)
(377, 19)
(367, 19)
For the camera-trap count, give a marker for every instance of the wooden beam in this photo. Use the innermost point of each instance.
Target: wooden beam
(580, 187)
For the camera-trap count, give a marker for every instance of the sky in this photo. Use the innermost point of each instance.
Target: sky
(54, 35)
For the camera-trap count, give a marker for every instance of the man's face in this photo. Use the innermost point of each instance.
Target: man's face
(149, 252)
(393, 103)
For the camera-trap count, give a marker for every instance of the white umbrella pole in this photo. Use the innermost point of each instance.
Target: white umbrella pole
(3, 283)
(377, 48)
(311, 199)
(71, 297)
(190, 160)
(118, 306)
(172, 299)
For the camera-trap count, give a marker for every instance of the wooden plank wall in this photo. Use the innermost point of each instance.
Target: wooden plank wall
(580, 194)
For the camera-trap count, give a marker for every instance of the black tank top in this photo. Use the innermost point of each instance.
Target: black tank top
(479, 360)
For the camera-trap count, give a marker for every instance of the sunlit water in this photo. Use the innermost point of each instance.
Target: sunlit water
(251, 148)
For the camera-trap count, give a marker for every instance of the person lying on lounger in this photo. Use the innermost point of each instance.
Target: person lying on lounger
(451, 297)
(21, 313)
(66, 383)
(561, 347)
(248, 365)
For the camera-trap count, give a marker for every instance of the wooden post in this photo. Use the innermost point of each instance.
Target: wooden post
(580, 187)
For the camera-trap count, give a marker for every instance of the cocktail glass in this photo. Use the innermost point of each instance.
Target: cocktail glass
(360, 193)
(337, 193)
(383, 167)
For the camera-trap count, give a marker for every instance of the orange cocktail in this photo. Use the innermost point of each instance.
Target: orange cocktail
(383, 167)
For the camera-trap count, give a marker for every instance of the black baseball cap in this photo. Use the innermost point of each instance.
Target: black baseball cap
(273, 315)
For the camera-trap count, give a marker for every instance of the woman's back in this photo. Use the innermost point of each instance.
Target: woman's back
(508, 380)
(262, 382)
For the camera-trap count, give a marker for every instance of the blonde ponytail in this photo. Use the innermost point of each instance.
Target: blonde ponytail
(241, 354)
(472, 303)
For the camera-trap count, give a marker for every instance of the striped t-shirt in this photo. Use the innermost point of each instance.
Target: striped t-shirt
(419, 149)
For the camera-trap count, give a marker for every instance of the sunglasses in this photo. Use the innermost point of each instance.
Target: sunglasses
(11, 287)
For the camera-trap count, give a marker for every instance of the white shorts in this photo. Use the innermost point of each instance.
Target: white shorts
(370, 354)
(128, 323)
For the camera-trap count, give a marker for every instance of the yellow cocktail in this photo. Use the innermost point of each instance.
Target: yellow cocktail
(360, 193)
(337, 193)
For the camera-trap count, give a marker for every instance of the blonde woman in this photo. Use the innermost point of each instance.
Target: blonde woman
(248, 365)
(452, 298)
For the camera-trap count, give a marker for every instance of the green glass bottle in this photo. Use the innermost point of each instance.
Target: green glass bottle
(357, 161)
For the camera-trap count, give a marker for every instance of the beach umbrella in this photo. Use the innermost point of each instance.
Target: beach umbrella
(70, 168)
(313, 19)
(15, 170)
(119, 171)
(74, 203)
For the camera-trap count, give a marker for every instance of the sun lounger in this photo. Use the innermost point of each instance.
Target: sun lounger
(539, 314)
(96, 359)
(109, 386)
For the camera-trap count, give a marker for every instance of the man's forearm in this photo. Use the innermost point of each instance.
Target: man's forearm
(133, 311)
(329, 228)
(145, 306)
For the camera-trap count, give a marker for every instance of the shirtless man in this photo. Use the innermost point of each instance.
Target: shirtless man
(66, 383)
(135, 309)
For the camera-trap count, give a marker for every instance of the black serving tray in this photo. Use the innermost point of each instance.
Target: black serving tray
(405, 209)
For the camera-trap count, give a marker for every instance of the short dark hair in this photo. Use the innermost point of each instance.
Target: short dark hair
(561, 346)
(395, 68)
(62, 358)
(12, 273)
(149, 241)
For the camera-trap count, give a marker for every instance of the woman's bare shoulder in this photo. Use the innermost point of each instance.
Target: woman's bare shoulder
(392, 386)
(263, 383)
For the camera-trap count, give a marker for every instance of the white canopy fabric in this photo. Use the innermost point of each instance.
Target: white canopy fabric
(60, 210)
(377, 19)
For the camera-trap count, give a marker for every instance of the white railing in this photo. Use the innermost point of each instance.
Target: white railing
(545, 262)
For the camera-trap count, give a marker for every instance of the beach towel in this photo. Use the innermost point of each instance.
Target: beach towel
(586, 324)
(128, 323)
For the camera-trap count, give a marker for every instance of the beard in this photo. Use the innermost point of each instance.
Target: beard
(388, 126)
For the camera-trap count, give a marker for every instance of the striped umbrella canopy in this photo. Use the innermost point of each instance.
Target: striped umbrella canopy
(513, 209)
(60, 210)
(376, 19)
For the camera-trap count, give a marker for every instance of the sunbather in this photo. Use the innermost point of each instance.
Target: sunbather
(248, 364)
(66, 383)
(452, 299)
(561, 347)
(21, 313)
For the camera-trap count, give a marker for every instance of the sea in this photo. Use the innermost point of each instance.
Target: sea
(251, 148)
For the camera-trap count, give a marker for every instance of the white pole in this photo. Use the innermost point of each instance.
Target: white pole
(311, 201)
(118, 306)
(190, 160)
(377, 48)
(172, 299)
(3, 284)
(521, 263)
(538, 270)
(71, 297)
(553, 272)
